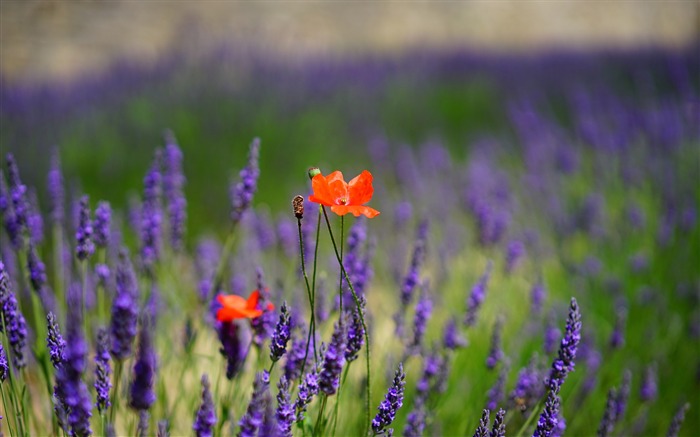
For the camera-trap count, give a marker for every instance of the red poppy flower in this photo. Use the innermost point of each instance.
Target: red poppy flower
(235, 307)
(342, 197)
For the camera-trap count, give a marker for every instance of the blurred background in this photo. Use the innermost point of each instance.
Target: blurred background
(315, 80)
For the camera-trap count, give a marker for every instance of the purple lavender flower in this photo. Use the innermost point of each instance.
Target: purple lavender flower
(37, 270)
(35, 223)
(234, 345)
(163, 428)
(83, 235)
(102, 273)
(142, 426)
(499, 426)
(537, 296)
(14, 320)
(495, 352)
(295, 358)
(264, 325)
(483, 429)
(607, 423)
(206, 415)
(415, 421)
(151, 220)
(252, 420)
(308, 388)
(356, 333)
(173, 182)
(285, 410)
(280, 338)
(497, 392)
(334, 360)
(391, 403)
(649, 388)
(548, 420)
(623, 396)
(476, 298)
(71, 390)
(55, 188)
(55, 342)
(677, 421)
(452, 338)
(123, 326)
(141, 394)
(287, 236)
(242, 193)
(617, 338)
(4, 367)
(357, 264)
(18, 193)
(564, 363)
(528, 387)
(208, 252)
(103, 370)
(424, 308)
(101, 224)
(514, 253)
(413, 275)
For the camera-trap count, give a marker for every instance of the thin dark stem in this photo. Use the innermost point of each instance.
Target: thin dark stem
(324, 400)
(359, 311)
(312, 297)
(340, 279)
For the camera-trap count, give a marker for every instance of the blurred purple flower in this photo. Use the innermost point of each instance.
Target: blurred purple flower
(173, 182)
(477, 296)
(101, 224)
(242, 193)
(391, 403)
(252, 420)
(206, 414)
(151, 215)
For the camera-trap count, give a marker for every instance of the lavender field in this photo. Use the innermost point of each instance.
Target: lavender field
(512, 247)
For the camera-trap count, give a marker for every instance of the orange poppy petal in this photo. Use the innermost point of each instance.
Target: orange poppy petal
(355, 210)
(360, 188)
(322, 193)
(252, 301)
(231, 301)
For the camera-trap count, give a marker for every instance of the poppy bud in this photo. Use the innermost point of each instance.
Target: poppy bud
(298, 205)
(313, 171)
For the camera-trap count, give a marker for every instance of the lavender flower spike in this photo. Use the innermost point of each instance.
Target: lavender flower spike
(37, 270)
(242, 193)
(549, 419)
(71, 390)
(391, 403)
(413, 275)
(609, 417)
(677, 421)
(499, 426)
(18, 193)
(649, 388)
(151, 215)
(333, 361)
(307, 390)
(55, 342)
(285, 410)
(252, 420)
(483, 429)
(84, 245)
(4, 367)
(452, 338)
(564, 363)
(206, 415)
(495, 353)
(14, 320)
(124, 321)
(424, 308)
(141, 394)
(476, 298)
(173, 181)
(56, 191)
(356, 333)
(103, 370)
(103, 219)
(280, 338)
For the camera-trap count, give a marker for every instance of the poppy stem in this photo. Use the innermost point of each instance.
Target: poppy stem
(311, 291)
(340, 281)
(359, 311)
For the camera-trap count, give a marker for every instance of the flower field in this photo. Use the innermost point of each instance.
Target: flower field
(440, 243)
